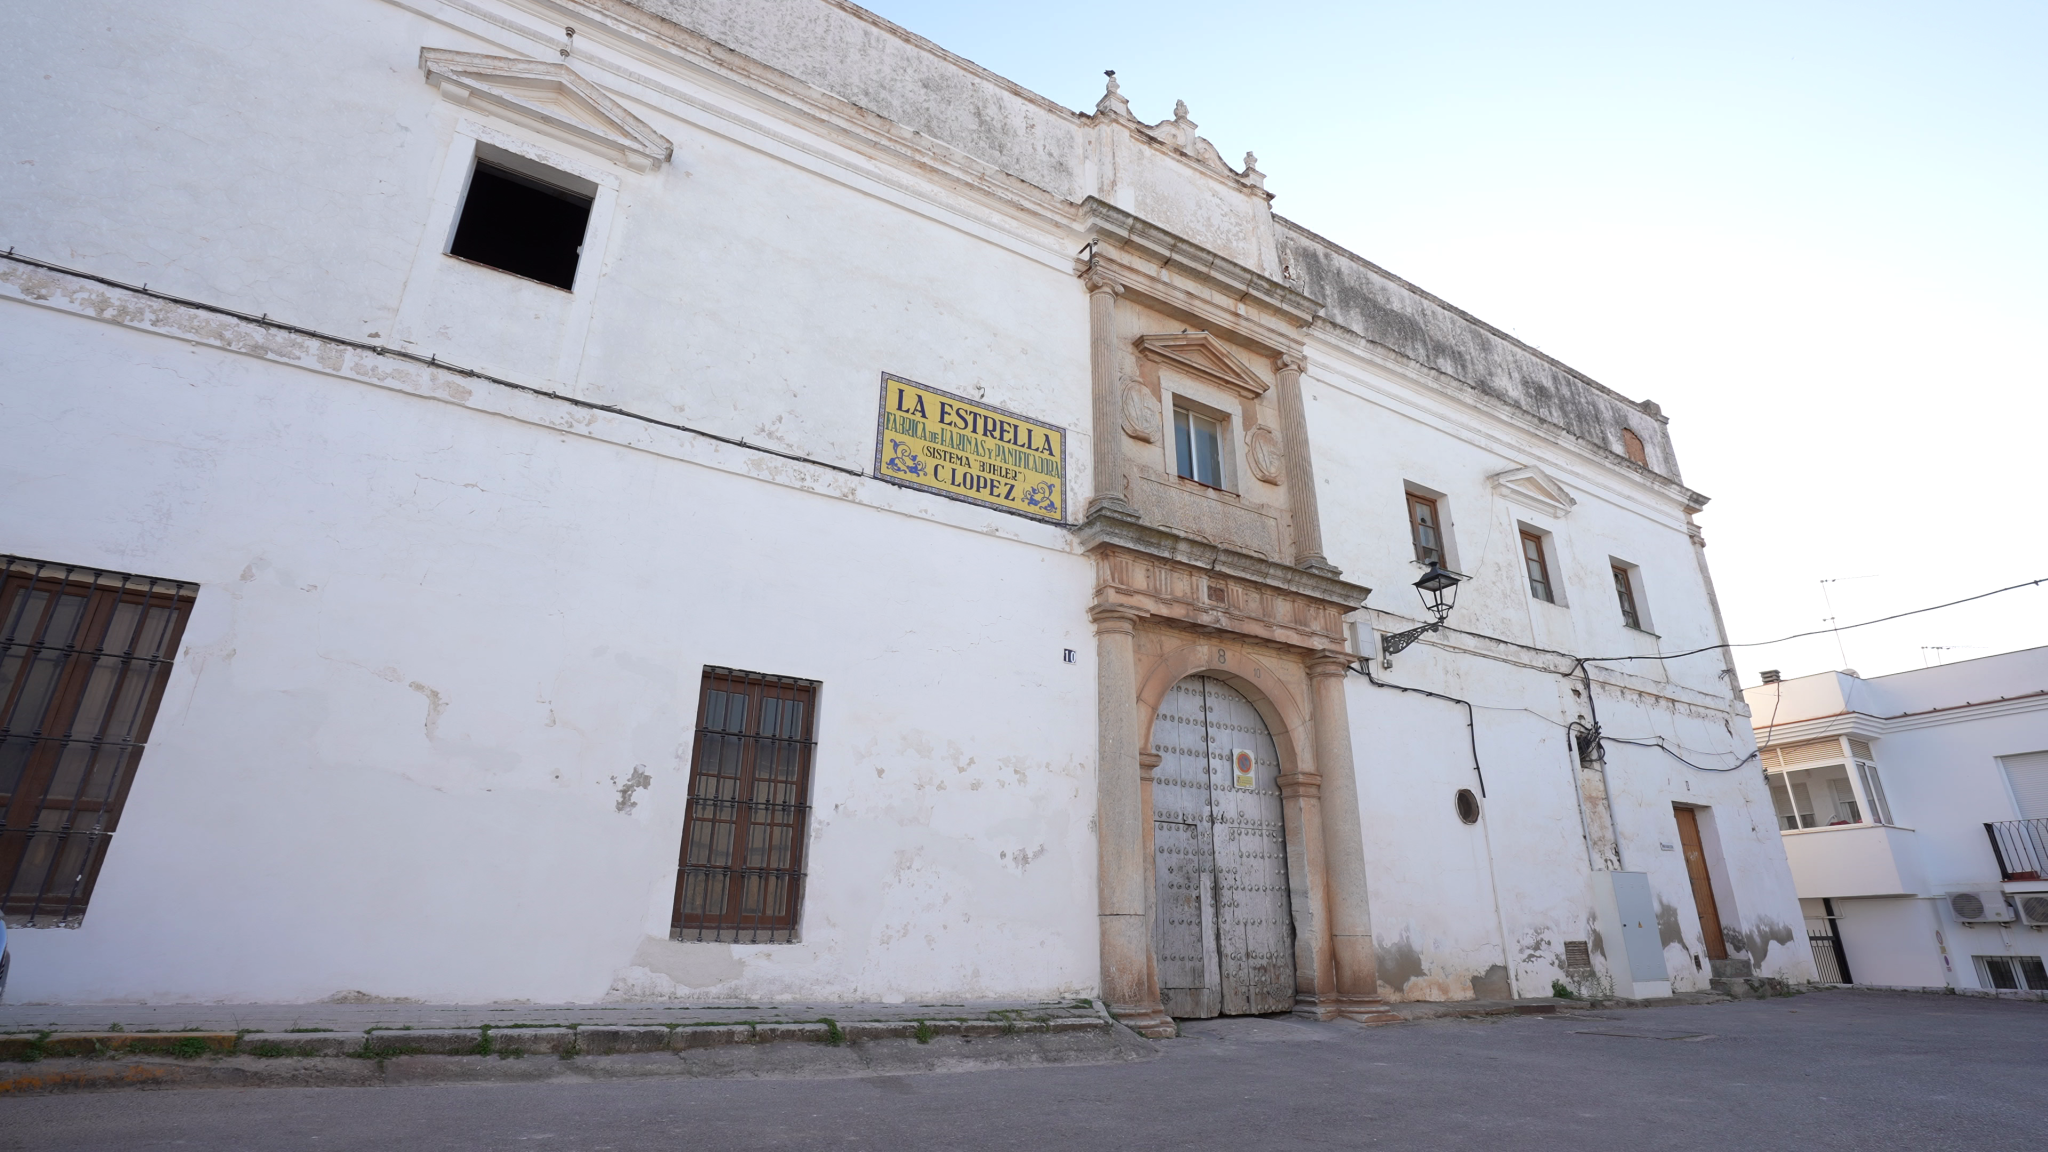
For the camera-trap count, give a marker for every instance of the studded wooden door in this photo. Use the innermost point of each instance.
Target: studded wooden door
(1223, 933)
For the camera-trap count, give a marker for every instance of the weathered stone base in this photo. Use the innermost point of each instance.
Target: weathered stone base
(1150, 1022)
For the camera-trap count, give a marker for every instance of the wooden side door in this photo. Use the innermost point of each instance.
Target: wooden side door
(1702, 882)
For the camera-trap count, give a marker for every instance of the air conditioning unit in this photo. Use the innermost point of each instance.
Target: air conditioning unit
(1980, 907)
(2033, 908)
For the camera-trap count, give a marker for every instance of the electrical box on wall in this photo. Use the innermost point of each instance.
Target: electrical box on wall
(1628, 926)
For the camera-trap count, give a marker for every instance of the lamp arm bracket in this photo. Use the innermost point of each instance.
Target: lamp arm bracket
(1393, 642)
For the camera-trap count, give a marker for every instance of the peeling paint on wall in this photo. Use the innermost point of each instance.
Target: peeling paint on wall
(1668, 930)
(1758, 940)
(638, 780)
(435, 706)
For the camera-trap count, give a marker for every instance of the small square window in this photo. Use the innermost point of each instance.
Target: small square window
(522, 224)
(1198, 447)
(1426, 526)
(1538, 567)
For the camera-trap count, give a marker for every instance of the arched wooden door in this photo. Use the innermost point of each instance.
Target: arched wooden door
(1223, 935)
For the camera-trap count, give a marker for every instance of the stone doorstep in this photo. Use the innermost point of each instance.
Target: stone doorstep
(594, 1040)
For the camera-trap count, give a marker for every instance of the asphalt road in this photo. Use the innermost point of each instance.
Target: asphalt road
(1822, 1071)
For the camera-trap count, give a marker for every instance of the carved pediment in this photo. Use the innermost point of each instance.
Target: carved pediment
(1534, 488)
(1205, 356)
(549, 97)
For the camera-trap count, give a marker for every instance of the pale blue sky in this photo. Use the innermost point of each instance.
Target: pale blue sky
(1815, 233)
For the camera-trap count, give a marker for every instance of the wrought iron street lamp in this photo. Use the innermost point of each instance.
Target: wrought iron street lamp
(1439, 591)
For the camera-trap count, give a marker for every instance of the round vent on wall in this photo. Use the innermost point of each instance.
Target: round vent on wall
(1966, 905)
(1468, 806)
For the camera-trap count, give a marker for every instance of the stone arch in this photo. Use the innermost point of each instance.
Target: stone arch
(1285, 714)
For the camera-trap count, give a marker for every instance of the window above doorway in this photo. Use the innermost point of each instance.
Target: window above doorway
(1198, 446)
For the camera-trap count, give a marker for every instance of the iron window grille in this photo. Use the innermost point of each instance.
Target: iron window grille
(2012, 973)
(84, 656)
(741, 876)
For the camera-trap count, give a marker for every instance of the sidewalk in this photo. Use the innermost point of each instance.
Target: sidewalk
(366, 1015)
(69, 1047)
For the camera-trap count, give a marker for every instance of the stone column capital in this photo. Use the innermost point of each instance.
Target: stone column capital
(1100, 283)
(1328, 663)
(1109, 618)
(1293, 362)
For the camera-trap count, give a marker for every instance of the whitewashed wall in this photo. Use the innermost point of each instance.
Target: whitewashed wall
(1460, 908)
(434, 641)
(441, 625)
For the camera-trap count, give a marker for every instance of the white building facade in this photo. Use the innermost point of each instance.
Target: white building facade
(1914, 809)
(730, 501)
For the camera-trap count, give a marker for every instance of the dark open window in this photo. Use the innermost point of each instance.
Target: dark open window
(522, 224)
(1426, 526)
(84, 656)
(1539, 567)
(742, 872)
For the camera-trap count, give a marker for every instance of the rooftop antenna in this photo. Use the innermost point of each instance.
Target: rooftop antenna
(1834, 622)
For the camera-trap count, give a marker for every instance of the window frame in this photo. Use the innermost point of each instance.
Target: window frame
(1542, 559)
(1184, 439)
(1416, 527)
(84, 677)
(1628, 591)
(713, 890)
(1625, 592)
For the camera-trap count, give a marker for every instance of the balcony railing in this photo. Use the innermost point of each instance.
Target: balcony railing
(2021, 847)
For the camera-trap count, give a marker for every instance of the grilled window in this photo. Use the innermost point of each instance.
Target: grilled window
(1426, 527)
(742, 872)
(2012, 972)
(1539, 568)
(1624, 590)
(84, 655)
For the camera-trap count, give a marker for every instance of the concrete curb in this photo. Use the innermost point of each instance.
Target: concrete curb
(85, 1062)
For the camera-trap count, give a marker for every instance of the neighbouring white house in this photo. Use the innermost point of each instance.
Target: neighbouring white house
(566, 499)
(1914, 809)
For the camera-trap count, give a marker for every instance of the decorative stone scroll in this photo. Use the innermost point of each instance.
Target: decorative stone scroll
(1140, 412)
(1262, 453)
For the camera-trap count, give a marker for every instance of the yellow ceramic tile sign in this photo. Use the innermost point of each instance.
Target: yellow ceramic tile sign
(971, 451)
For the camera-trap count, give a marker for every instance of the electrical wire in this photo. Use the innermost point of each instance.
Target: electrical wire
(1658, 743)
(1815, 632)
(431, 361)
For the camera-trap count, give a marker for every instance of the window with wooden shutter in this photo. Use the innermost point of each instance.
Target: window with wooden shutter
(1538, 568)
(84, 656)
(1624, 590)
(741, 877)
(1425, 525)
